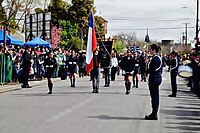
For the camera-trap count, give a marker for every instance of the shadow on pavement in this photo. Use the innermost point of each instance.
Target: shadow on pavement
(107, 117)
(186, 116)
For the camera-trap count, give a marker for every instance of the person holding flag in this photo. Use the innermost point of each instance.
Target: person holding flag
(92, 55)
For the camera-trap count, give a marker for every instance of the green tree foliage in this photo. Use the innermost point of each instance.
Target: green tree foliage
(128, 39)
(2, 13)
(79, 12)
(70, 34)
(58, 9)
(99, 26)
(119, 46)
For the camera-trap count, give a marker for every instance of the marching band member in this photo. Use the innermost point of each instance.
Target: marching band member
(173, 72)
(127, 66)
(50, 65)
(155, 79)
(72, 67)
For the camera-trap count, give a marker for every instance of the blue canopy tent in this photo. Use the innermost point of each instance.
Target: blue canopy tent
(10, 39)
(37, 41)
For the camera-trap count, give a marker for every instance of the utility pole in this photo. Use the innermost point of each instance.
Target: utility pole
(186, 26)
(197, 20)
(186, 33)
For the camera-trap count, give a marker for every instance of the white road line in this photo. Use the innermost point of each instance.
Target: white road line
(69, 110)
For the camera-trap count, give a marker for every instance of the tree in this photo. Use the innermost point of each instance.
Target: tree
(58, 9)
(55, 36)
(79, 12)
(128, 39)
(99, 25)
(119, 46)
(70, 34)
(15, 9)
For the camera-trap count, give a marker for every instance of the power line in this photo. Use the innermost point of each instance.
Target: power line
(164, 28)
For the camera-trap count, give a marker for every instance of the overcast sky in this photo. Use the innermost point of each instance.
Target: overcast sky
(164, 18)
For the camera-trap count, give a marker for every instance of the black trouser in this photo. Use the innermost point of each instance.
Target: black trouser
(95, 78)
(107, 76)
(25, 74)
(113, 72)
(154, 83)
(173, 76)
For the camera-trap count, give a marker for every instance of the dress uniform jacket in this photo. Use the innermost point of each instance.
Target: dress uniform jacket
(155, 79)
(72, 66)
(126, 64)
(50, 66)
(26, 60)
(136, 62)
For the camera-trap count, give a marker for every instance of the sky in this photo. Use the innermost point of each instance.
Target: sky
(164, 19)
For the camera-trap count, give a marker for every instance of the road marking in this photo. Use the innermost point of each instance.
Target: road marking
(69, 110)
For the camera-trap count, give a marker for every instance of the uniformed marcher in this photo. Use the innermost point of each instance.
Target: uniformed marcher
(136, 62)
(143, 66)
(155, 79)
(26, 65)
(95, 72)
(173, 72)
(127, 66)
(50, 65)
(105, 64)
(72, 67)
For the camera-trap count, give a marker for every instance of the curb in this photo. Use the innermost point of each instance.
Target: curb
(16, 87)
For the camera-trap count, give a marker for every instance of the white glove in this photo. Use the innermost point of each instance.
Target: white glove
(132, 72)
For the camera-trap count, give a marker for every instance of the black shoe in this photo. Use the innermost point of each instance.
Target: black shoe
(151, 117)
(133, 86)
(50, 92)
(23, 86)
(28, 86)
(128, 92)
(95, 91)
(136, 86)
(172, 95)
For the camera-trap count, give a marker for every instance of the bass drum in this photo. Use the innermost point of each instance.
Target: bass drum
(185, 71)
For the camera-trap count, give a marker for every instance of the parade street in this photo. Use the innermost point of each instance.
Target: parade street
(77, 110)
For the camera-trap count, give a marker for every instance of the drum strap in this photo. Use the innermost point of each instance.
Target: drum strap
(160, 63)
(175, 65)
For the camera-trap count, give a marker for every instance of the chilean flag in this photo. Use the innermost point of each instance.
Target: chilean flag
(91, 44)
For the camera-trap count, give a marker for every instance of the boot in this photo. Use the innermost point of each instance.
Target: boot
(133, 83)
(71, 82)
(152, 116)
(127, 88)
(50, 85)
(136, 83)
(73, 85)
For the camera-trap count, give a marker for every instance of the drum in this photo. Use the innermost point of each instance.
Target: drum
(185, 71)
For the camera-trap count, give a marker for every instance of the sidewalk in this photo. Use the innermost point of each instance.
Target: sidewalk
(13, 86)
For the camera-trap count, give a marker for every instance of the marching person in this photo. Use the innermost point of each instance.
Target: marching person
(127, 66)
(105, 64)
(114, 66)
(143, 66)
(155, 79)
(173, 72)
(95, 72)
(50, 65)
(72, 67)
(26, 65)
(136, 62)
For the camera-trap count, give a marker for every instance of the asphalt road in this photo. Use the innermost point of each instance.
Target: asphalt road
(77, 110)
